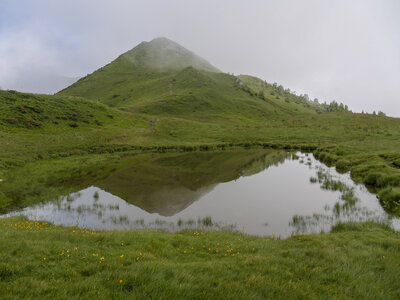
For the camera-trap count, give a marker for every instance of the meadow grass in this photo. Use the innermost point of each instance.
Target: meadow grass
(39, 260)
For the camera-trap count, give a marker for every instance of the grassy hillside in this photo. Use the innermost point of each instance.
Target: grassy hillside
(356, 261)
(33, 125)
(162, 78)
(278, 95)
(287, 99)
(193, 94)
(21, 111)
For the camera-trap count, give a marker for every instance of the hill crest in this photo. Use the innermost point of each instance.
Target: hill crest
(163, 54)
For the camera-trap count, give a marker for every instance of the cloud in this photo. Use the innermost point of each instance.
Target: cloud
(333, 50)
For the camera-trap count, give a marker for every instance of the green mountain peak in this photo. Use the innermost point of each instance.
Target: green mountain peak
(164, 54)
(162, 78)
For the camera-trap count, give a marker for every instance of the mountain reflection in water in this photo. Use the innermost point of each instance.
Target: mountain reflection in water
(259, 192)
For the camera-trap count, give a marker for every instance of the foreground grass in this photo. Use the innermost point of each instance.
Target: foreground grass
(38, 260)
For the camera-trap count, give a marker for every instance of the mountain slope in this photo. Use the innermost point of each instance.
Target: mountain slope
(54, 113)
(161, 78)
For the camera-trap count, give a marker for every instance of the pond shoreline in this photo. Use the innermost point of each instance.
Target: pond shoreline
(175, 191)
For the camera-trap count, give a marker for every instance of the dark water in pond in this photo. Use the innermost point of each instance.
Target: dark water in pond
(257, 192)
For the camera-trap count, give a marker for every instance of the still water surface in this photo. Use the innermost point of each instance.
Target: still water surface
(257, 192)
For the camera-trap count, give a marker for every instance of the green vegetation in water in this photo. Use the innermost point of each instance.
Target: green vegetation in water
(344, 210)
(356, 260)
(313, 180)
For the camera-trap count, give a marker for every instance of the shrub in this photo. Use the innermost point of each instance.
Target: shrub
(34, 123)
(73, 124)
(396, 163)
(390, 199)
(204, 147)
(22, 109)
(325, 157)
(372, 178)
(343, 165)
(307, 148)
(385, 181)
(12, 120)
(6, 272)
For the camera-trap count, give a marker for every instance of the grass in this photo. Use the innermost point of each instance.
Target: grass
(39, 260)
(51, 114)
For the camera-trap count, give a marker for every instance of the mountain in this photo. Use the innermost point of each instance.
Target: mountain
(163, 54)
(162, 78)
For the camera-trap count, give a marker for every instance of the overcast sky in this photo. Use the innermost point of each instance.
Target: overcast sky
(347, 51)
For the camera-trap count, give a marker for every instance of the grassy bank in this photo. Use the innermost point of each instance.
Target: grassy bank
(38, 260)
